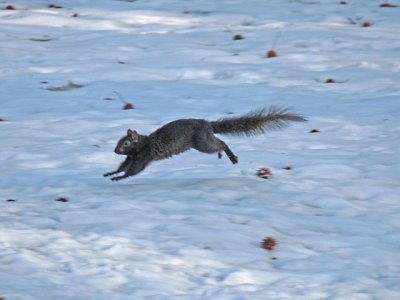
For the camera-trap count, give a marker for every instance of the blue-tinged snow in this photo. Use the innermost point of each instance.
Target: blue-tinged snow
(190, 227)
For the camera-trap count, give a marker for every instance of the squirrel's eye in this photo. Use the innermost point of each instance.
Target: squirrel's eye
(127, 143)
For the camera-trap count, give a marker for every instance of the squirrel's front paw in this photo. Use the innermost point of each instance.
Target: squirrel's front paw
(110, 173)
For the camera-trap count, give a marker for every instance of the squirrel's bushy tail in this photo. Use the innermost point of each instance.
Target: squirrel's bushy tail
(256, 122)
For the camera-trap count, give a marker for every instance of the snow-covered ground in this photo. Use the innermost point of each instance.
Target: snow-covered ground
(190, 227)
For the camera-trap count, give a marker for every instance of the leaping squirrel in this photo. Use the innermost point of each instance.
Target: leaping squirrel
(183, 134)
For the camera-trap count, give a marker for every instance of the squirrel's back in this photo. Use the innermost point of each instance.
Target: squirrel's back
(176, 137)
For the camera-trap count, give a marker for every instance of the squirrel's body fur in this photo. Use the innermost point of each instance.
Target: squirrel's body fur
(184, 134)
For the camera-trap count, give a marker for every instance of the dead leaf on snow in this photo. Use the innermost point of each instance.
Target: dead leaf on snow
(70, 86)
(42, 39)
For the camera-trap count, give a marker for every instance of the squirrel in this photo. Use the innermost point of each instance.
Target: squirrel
(184, 134)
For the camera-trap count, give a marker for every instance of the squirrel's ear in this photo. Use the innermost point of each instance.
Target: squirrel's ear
(133, 134)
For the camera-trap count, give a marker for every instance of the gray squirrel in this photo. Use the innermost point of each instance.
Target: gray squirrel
(183, 134)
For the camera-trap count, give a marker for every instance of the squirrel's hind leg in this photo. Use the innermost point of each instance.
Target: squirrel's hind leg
(233, 158)
(212, 144)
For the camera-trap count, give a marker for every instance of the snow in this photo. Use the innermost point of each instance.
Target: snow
(191, 227)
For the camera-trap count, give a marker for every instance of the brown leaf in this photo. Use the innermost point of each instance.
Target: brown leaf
(271, 54)
(387, 5)
(314, 131)
(54, 6)
(264, 173)
(42, 39)
(70, 86)
(61, 199)
(128, 106)
(238, 37)
(268, 243)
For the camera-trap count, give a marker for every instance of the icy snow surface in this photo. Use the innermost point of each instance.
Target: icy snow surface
(190, 227)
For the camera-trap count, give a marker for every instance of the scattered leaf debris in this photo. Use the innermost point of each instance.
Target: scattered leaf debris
(42, 39)
(366, 24)
(70, 86)
(352, 21)
(331, 80)
(61, 199)
(268, 243)
(238, 37)
(128, 105)
(387, 5)
(271, 54)
(264, 173)
(54, 6)
(196, 12)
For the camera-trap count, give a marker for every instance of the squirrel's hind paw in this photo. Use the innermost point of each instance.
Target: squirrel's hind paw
(234, 159)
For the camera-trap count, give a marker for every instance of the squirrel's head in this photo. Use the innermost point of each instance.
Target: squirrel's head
(129, 143)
